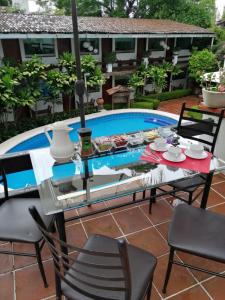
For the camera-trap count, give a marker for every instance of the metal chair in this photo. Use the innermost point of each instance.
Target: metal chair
(204, 131)
(17, 225)
(105, 268)
(198, 232)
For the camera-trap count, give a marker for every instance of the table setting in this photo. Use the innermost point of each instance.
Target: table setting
(191, 156)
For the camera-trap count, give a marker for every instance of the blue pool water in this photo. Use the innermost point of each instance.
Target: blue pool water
(106, 125)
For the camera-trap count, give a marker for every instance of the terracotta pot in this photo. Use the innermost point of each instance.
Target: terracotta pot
(100, 101)
(213, 99)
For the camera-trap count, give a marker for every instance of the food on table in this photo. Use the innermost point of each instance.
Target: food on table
(103, 144)
(151, 135)
(119, 140)
(136, 139)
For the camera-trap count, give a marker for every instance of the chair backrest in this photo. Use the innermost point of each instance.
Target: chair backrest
(3, 181)
(202, 130)
(92, 273)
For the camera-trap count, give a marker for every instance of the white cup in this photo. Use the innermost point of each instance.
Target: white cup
(196, 149)
(160, 143)
(174, 152)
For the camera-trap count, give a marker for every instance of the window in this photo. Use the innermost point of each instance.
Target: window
(122, 80)
(42, 47)
(156, 44)
(125, 45)
(89, 46)
(201, 43)
(183, 43)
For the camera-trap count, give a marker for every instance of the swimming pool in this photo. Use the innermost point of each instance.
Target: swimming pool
(109, 124)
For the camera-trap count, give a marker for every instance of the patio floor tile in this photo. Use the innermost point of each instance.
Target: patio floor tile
(6, 287)
(180, 278)
(218, 208)
(75, 235)
(195, 293)
(6, 261)
(163, 228)
(214, 198)
(220, 188)
(218, 178)
(149, 240)
(122, 200)
(201, 263)
(93, 208)
(131, 220)
(22, 261)
(216, 288)
(28, 289)
(102, 225)
(161, 211)
(69, 214)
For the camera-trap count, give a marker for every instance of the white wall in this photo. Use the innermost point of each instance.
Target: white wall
(45, 59)
(157, 54)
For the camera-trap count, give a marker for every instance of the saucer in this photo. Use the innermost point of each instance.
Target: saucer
(180, 158)
(192, 155)
(153, 147)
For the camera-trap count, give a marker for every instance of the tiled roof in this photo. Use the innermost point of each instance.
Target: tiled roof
(21, 23)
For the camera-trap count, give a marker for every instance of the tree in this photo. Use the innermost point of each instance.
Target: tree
(5, 2)
(201, 62)
(200, 13)
(197, 12)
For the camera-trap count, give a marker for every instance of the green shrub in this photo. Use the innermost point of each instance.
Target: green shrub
(146, 105)
(195, 115)
(173, 94)
(155, 102)
(108, 106)
(13, 129)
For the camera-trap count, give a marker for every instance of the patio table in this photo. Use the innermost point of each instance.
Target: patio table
(91, 180)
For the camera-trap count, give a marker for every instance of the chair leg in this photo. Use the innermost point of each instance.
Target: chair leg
(169, 268)
(134, 197)
(190, 198)
(58, 287)
(144, 194)
(149, 290)
(152, 199)
(40, 264)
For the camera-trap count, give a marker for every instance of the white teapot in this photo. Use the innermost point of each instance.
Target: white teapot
(61, 146)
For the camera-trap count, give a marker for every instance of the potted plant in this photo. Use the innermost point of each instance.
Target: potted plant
(213, 89)
(110, 59)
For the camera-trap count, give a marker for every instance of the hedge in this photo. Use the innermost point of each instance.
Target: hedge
(155, 102)
(146, 105)
(173, 94)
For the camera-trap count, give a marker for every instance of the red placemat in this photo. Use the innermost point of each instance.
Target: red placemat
(199, 165)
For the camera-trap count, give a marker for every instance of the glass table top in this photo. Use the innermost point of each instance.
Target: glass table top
(92, 180)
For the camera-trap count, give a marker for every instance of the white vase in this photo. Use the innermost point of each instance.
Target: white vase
(109, 68)
(213, 99)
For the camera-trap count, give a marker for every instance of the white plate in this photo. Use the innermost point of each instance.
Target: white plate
(190, 154)
(167, 156)
(153, 147)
